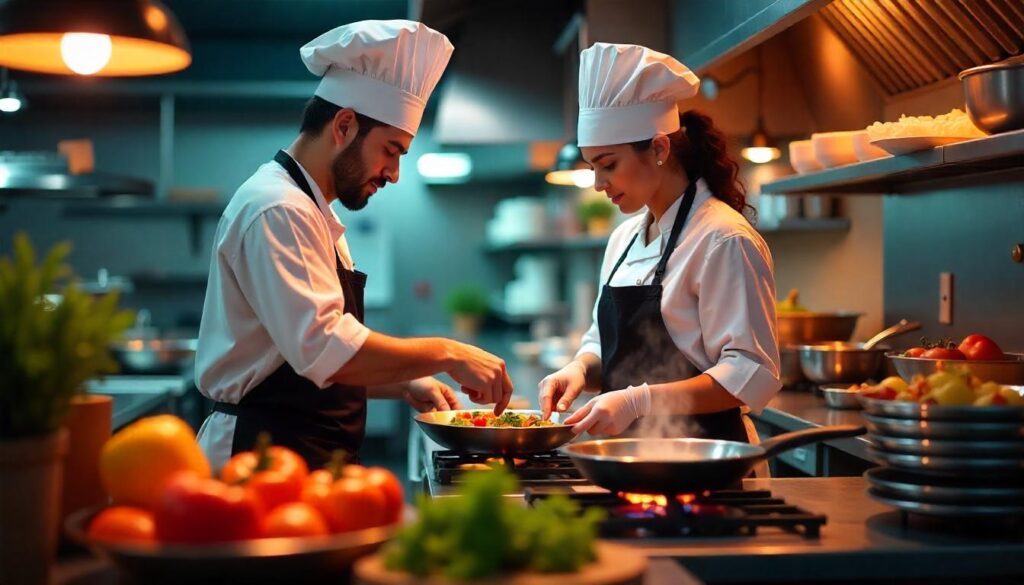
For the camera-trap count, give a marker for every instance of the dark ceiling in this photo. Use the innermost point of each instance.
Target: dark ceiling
(268, 19)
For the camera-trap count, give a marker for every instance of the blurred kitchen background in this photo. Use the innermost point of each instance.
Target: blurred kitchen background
(473, 215)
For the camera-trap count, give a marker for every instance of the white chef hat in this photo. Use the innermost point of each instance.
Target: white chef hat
(629, 93)
(384, 69)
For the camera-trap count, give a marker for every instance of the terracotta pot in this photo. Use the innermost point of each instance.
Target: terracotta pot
(30, 506)
(466, 325)
(89, 426)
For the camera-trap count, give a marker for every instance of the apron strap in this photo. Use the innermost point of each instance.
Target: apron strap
(621, 258)
(677, 228)
(285, 160)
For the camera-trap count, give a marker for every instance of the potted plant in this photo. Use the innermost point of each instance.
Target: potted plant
(467, 305)
(596, 215)
(47, 352)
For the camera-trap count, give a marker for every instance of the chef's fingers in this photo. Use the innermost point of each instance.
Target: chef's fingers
(591, 419)
(567, 397)
(437, 397)
(579, 414)
(450, 398)
(474, 395)
(506, 392)
(550, 390)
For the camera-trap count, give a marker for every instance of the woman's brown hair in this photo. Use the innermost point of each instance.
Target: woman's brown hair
(700, 148)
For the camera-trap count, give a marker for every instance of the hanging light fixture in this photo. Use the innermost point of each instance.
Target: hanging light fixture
(109, 38)
(760, 148)
(570, 169)
(11, 100)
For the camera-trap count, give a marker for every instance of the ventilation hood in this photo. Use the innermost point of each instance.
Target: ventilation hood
(903, 44)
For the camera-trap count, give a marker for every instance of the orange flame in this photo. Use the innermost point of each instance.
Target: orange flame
(643, 499)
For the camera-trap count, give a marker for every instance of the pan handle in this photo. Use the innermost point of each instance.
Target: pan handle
(787, 441)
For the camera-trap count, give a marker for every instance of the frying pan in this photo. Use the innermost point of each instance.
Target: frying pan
(505, 441)
(682, 466)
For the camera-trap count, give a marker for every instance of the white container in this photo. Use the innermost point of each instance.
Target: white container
(801, 157)
(834, 149)
(863, 148)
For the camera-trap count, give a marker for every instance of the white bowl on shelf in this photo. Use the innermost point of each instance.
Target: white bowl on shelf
(834, 149)
(801, 157)
(863, 148)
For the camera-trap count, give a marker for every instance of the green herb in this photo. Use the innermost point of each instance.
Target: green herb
(481, 533)
(595, 209)
(467, 300)
(48, 351)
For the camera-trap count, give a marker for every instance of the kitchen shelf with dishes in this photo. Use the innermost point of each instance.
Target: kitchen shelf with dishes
(896, 174)
(598, 243)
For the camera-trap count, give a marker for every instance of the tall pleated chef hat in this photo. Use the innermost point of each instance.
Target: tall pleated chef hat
(629, 93)
(384, 69)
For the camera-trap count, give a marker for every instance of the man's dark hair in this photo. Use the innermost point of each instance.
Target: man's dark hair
(319, 112)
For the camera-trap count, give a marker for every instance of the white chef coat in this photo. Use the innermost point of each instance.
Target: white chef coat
(718, 299)
(273, 296)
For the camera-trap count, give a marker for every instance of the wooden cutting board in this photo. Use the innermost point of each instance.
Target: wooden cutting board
(615, 565)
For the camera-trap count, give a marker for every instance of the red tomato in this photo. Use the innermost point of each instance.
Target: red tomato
(979, 347)
(943, 353)
(479, 422)
(354, 504)
(881, 393)
(123, 524)
(466, 415)
(914, 352)
(389, 485)
(274, 474)
(194, 510)
(294, 519)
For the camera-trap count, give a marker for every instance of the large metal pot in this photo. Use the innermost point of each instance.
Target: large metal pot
(805, 327)
(994, 95)
(840, 361)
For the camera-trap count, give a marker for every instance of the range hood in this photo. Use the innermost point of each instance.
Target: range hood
(903, 44)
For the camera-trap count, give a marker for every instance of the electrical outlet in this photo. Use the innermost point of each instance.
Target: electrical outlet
(946, 298)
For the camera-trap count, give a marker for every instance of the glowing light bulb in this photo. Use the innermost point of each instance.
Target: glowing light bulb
(9, 105)
(583, 178)
(760, 154)
(85, 53)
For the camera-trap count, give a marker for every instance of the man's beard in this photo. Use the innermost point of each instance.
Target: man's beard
(349, 169)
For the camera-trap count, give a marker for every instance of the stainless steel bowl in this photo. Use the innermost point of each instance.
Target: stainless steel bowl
(1009, 371)
(804, 327)
(841, 397)
(147, 356)
(840, 361)
(790, 373)
(994, 95)
(935, 412)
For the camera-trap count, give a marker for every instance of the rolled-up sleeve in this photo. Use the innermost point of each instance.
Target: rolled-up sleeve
(286, 270)
(736, 304)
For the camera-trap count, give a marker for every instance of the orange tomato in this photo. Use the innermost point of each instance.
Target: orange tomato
(137, 461)
(275, 475)
(294, 519)
(354, 504)
(123, 524)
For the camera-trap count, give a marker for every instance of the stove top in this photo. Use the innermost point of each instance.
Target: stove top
(550, 468)
(718, 513)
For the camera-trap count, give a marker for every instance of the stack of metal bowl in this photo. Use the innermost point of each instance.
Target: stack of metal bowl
(947, 460)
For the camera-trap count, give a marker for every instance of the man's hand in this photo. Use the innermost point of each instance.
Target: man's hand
(482, 376)
(429, 394)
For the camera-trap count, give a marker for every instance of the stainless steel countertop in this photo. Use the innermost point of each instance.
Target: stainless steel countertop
(794, 410)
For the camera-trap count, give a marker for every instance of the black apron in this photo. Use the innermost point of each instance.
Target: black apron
(298, 414)
(636, 346)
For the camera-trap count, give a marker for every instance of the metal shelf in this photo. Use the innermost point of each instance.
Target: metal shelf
(831, 224)
(195, 212)
(900, 174)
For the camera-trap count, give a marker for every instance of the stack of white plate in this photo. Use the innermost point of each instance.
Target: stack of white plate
(946, 460)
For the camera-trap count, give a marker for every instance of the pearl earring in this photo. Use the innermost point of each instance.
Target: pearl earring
(661, 162)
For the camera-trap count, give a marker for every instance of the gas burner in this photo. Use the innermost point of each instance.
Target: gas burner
(549, 468)
(718, 513)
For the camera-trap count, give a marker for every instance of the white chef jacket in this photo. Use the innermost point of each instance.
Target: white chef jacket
(718, 299)
(273, 296)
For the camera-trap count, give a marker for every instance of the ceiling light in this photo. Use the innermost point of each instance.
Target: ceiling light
(96, 37)
(445, 167)
(570, 169)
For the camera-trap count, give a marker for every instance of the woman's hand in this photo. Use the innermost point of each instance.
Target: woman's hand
(612, 412)
(558, 390)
